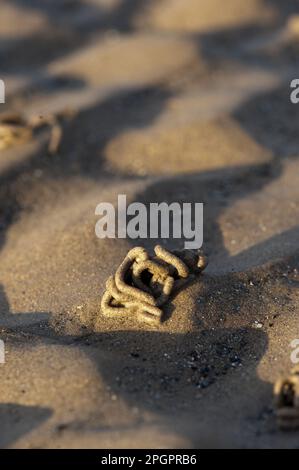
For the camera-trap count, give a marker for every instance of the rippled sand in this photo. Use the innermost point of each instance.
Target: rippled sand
(175, 101)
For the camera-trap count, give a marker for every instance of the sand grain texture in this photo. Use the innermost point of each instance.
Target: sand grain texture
(176, 101)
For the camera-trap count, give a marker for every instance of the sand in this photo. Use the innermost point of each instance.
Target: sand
(175, 101)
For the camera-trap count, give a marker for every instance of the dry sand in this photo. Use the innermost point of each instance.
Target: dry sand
(176, 100)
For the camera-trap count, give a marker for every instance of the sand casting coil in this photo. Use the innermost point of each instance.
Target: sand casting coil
(142, 284)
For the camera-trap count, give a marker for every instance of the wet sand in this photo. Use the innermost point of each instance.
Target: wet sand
(175, 101)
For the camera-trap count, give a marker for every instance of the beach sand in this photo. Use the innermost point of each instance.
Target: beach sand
(174, 100)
